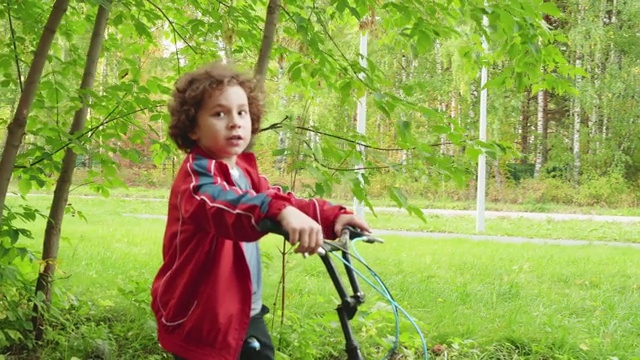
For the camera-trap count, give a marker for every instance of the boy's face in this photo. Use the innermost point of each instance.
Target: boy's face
(223, 127)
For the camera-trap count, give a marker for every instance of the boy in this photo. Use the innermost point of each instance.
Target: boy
(207, 294)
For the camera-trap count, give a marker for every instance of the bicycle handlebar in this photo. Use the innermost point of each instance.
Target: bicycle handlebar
(341, 243)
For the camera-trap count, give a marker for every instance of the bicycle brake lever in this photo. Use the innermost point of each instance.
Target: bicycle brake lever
(354, 233)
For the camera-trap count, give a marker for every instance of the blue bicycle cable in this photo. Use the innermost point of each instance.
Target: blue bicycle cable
(396, 341)
(393, 303)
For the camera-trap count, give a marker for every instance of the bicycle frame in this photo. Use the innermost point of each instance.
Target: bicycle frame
(348, 306)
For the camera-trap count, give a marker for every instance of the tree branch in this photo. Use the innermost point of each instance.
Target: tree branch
(278, 125)
(15, 47)
(91, 130)
(344, 68)
(335, 44)
(175, 44)
(81, 185)
(360, 168)
(350, 141)
(172, 25)
(275, 126)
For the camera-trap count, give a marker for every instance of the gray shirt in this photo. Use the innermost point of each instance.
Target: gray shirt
(251, 251)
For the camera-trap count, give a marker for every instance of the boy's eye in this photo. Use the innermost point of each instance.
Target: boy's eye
(218, 114)
(243, 112)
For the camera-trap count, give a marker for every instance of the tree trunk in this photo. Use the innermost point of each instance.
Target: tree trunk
(541, 150)
(594, 120)
(453, 115)
(577, 121)
(611, 20)
(473, 117)
(61, 193)
(403, 80)
(268, 35)
(441, 104)
(577, 109)
(16, 128)
(615, 55)
(524, 127)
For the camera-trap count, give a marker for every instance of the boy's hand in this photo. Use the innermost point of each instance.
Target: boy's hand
(352, 220)
(302, 230)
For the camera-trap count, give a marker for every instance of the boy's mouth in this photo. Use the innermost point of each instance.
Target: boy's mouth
(235, 137)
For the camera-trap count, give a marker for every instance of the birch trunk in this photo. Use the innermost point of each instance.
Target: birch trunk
(453, 114)
(541, 149)
(524, 126)
(577, 107)
(403, 80)
(613, 20)
(441, 104)
(577, 121)
(283, 140)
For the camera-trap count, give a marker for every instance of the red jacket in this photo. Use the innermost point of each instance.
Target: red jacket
(201, 295)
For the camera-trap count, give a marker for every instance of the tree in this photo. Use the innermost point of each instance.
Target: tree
(61, 193)
(16, 128)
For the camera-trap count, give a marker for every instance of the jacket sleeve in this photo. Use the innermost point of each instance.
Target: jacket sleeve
(225, 209)
(320, 210)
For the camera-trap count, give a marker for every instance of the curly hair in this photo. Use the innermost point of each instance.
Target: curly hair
(193, 87)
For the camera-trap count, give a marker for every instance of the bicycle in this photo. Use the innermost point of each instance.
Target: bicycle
(348, 306)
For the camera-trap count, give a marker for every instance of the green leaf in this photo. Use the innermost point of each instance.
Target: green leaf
(24, 185)
(358, 189)
(398, 197)
(12, 234)
(404, 130)
(551, 9)
(414, 210)
(142, 30)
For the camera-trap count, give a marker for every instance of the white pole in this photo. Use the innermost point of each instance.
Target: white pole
(482, 159)
(361, 118)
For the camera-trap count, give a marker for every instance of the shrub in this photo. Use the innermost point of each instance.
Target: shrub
(609, 191)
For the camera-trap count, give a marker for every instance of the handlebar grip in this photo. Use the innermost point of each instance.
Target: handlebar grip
(274, 227)
(355, 233)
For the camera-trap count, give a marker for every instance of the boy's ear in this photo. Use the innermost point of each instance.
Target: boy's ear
(193, 134)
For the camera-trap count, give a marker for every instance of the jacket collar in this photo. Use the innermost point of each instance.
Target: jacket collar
(245, 161)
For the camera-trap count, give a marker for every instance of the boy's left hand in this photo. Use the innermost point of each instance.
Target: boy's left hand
(352, 220)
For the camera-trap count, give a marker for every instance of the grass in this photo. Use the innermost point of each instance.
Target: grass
(477, 299)
(547, 300)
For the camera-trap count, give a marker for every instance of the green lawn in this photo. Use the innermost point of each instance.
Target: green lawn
(482, 300)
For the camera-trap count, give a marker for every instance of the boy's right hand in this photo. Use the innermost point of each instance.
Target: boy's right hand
(302, 229)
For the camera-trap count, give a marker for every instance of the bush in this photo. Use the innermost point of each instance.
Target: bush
(15, 310)
(605, 191)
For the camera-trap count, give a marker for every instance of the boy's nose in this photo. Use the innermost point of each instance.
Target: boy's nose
(234, 121)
